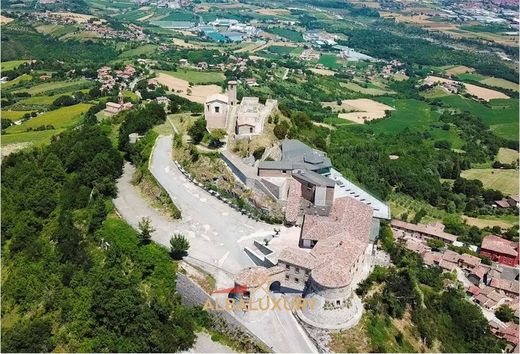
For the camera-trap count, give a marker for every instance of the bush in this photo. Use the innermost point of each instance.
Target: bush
(179, 246)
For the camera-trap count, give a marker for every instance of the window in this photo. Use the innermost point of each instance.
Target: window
(287, 266)
(284, 171)
(296, 280)
(297, 270)
(338, 302)
(217, 109)
(286, 276)
(251, 129)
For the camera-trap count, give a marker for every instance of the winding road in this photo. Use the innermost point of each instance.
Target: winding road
(217, 235)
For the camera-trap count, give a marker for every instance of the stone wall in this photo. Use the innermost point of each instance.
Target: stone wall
(225, 322)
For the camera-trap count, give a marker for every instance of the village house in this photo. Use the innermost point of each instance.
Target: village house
(511, 201)
(424, 232)
(500, 250)
(251, 115)
(113, 108)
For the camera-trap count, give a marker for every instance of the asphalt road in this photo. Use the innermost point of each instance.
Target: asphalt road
(217, 235)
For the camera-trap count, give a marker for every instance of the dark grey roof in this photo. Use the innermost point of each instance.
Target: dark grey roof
(297, 155)
(313, 178)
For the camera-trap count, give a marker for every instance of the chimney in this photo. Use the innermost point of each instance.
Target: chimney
(232, 92)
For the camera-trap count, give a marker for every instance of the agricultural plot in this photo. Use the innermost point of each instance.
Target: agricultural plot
(507, 155)
(477, 91)
(352, 86)
(136, 52)
(285, 50)
(501, 115)
(56, 86)
(197, 77)
(459, 69)
(13, 115)
(329, 61)
(291, 35)
(505, 181)
(10, 65)
(360, 110)
(197, 93)
(28, 138)
(18, 80)
(61, 118)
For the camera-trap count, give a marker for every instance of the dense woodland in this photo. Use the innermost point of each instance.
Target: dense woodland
(74, 274)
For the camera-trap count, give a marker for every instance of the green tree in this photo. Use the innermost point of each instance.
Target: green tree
(179, 246)
(505, 313)
(197, 131)
(145, 230)
(435, 243)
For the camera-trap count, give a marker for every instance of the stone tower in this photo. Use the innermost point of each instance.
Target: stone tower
(232, 92)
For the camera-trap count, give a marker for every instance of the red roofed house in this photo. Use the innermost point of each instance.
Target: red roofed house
(500, 250)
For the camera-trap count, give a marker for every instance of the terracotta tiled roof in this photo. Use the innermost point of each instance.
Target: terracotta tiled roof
(503, 203)
(293, 201)
(499, 245)
(469, 259)
(447, 265)
(431, 258)
(479, 272)
(434, 230)
(416, 247)
(451, 256)
(298, 257)
(504, 284)
(341, 237)
(474, 290)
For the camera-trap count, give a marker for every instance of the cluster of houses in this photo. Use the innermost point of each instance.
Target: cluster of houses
(310, 55)
(109, 77)
(236, 63)
(449, 86)
(489, 286)
(97, 26)
(511, 201)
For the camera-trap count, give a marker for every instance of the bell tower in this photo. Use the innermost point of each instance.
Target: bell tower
(232, 92)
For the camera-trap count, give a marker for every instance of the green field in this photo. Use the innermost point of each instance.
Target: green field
(291, 35)
(19, 79)
(283, 50)
(502, 115)
(198, 77)
(10, 65)
(329, 61)
(37, 138)
(13, 115)
(60, 118)
(57, 85)
(507, 155)
(180, 16)
(489, 81)
(505, 181)
(136, 52)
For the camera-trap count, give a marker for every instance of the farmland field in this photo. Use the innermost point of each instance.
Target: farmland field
(283, 50)
(197, 77)
(497, 82)
(58, 85)
(287, 33)
(507, 155)
(367, 91)
(142, 50)
(505, 181)
(13, 115)
(10, 65)
(34, 137)
(502, 117)
(60, 118)
(19, 79)
(329, 61)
